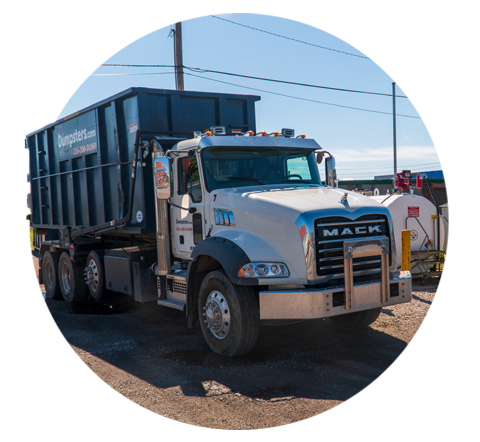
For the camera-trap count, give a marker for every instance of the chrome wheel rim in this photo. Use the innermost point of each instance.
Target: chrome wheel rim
(217, 314)
(91, 275)
(66, 278)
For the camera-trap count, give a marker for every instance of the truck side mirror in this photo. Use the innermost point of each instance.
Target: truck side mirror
(320, 157)
(330, 172)
(162, 174)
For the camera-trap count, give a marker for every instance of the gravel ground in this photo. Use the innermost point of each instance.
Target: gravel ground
(296, 371)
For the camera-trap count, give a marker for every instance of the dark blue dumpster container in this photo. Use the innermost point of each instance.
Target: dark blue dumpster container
(81, 165)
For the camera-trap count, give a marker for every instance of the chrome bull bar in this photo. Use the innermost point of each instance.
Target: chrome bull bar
(363, 249)
(319, 303)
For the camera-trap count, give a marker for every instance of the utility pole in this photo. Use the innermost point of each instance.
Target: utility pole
(178, 54)
(394, 131)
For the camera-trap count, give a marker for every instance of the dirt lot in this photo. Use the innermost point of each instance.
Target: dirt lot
(295, 371)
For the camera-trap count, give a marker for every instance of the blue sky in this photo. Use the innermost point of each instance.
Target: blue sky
(361, 140)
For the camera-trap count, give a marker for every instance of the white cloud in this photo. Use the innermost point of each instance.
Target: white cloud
(405, 153)
(369, 162)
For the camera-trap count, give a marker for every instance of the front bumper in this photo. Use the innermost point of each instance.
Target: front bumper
(312, 304)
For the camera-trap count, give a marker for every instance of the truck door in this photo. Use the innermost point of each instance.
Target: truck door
(187, 227)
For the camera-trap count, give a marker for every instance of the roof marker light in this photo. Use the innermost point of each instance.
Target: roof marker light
(288, 133)
(218, 130)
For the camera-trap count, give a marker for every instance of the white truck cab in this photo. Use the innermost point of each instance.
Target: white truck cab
(255, 235)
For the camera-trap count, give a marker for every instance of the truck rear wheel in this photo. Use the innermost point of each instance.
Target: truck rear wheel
(229, 315)
(94, 274)
(357, 319)
(70, 276)
(50, 275)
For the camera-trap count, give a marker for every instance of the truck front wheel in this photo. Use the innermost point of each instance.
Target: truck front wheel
(229, 315)
(70, 276)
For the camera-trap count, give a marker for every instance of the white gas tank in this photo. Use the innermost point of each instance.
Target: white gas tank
(417, 214)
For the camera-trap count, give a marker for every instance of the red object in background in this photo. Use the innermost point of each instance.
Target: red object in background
(403, 180)
(419, 181)
(414, 211)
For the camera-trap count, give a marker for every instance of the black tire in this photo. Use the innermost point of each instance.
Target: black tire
(357, 320)
(94, 275)
(71, 281)
(233, 331)
(50, 275)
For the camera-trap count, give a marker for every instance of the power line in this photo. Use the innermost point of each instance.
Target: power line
(139, 65)
(301, 98)
(289, 38)
(251, 77)
(131, 73)
(258, 90)
(294, 83)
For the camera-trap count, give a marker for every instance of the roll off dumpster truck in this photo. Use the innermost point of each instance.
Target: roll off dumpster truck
(172, 197)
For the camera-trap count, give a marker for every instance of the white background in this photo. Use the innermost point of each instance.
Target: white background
(49, 48)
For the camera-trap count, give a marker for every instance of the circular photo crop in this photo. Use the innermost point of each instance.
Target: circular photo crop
(238, 221)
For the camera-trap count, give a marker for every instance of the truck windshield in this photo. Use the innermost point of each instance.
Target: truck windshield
(248, 166)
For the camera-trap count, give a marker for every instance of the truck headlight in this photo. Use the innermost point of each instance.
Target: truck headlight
(264, 270)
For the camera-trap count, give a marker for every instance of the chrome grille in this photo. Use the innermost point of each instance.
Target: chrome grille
(330, 234)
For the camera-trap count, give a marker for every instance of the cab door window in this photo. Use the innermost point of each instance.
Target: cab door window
(189, 178)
